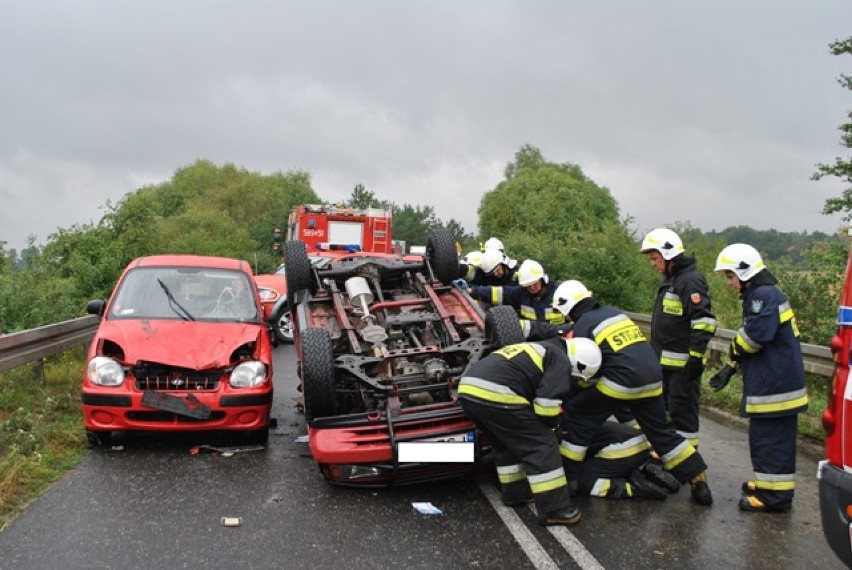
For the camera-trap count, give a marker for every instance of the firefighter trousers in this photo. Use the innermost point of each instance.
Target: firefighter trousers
(585, 413)
(614, 453)
(526, 453)
(681, 398)
(772, 444)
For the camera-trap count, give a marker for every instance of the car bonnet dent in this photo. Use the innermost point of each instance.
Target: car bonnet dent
(144, 340)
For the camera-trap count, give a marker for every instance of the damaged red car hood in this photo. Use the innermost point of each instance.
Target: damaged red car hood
(185, 344)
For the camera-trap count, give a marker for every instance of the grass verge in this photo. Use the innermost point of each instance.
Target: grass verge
(41, 428)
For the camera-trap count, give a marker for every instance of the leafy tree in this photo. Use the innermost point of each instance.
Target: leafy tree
(555, 214)
(842, 167)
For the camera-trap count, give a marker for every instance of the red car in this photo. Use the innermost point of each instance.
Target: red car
(272, 288)
(182, 346)
(835, 472)
(382, 341)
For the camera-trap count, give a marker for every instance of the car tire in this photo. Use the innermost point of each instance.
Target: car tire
(318, 374)
(256, 436)
(298, 275)
(283, 328)
(98, 438)
(502, 326)
(442, 255)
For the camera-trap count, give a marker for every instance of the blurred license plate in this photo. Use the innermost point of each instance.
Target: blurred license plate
(453, 448)
(189, 406)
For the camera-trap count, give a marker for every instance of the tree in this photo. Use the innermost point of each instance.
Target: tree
(842, 167)
(555, 214)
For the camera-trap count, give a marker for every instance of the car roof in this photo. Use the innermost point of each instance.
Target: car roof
(182, 260)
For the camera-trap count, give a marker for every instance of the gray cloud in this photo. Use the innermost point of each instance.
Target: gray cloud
(712, 113)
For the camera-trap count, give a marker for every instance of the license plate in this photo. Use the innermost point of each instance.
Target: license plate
(189, 406)
(452, 448)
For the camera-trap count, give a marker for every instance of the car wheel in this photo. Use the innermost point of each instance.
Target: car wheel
(442, 254)
(318, 374)
(284, 328)
(98, 438)
(502, 326)
(256, 436)
(298, 275)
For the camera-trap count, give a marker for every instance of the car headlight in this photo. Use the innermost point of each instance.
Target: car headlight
(248, 374)
(105, 371)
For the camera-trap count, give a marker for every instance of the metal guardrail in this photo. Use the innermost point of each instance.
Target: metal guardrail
(34, 344)
(31, 345)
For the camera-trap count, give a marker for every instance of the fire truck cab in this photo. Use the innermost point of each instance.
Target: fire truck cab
(324, 226)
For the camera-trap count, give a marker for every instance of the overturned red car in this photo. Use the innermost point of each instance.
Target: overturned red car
(382, 341)
(182, 345)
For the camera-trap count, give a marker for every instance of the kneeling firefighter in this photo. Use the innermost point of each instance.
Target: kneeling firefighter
(514, 396)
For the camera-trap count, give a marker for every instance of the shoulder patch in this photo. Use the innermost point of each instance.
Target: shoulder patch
(695, 298)
(756, 306)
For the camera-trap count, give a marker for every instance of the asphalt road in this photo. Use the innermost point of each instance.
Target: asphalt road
(149, 503)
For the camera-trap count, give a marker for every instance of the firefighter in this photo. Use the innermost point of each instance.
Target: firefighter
(629, 376)
(494, 243)
(492, 269)
(766, 349)
(617, 466)
(514, 396)
(681, 326)
(531, 297)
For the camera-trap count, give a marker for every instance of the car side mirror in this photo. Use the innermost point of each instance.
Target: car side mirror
(96, 307)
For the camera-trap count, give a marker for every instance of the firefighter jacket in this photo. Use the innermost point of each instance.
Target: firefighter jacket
(769, 352)
(630, 369)
(532, 307)
(682, 323)
(536, 374)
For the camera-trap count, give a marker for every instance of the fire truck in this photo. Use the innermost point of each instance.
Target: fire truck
(325, 226)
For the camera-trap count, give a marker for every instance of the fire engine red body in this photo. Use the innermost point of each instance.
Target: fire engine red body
(835, 472)
(317, 225)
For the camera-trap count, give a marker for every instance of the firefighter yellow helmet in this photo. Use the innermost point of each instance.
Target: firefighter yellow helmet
(664, 240)
(585, 357)
(491, 258)
(530, 272)
(569, 294)
(742, 259)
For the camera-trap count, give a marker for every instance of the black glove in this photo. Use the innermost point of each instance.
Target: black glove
(564, 328)
(722, 377)
(694, 368)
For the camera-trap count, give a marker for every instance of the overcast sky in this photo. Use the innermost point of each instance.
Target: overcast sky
(714, 113)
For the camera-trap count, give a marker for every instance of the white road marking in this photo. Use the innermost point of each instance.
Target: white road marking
(528, 543)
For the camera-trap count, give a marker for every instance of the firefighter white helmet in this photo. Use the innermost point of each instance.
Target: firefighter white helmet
(493, 243)
(664, 240)
(742, 259)
(474, 258)
(530, 272)
(569, 294)
(491, 258)
(585, 357)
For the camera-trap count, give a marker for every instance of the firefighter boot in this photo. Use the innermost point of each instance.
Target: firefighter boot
(700, 490)
(755, 505)
(516, 493)
(659, 476)
(749, 487)
(643, 488)
(564, 517)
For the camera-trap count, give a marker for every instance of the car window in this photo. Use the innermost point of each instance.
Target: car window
(185, 293)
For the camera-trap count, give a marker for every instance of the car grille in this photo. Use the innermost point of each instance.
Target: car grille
(163, 378)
